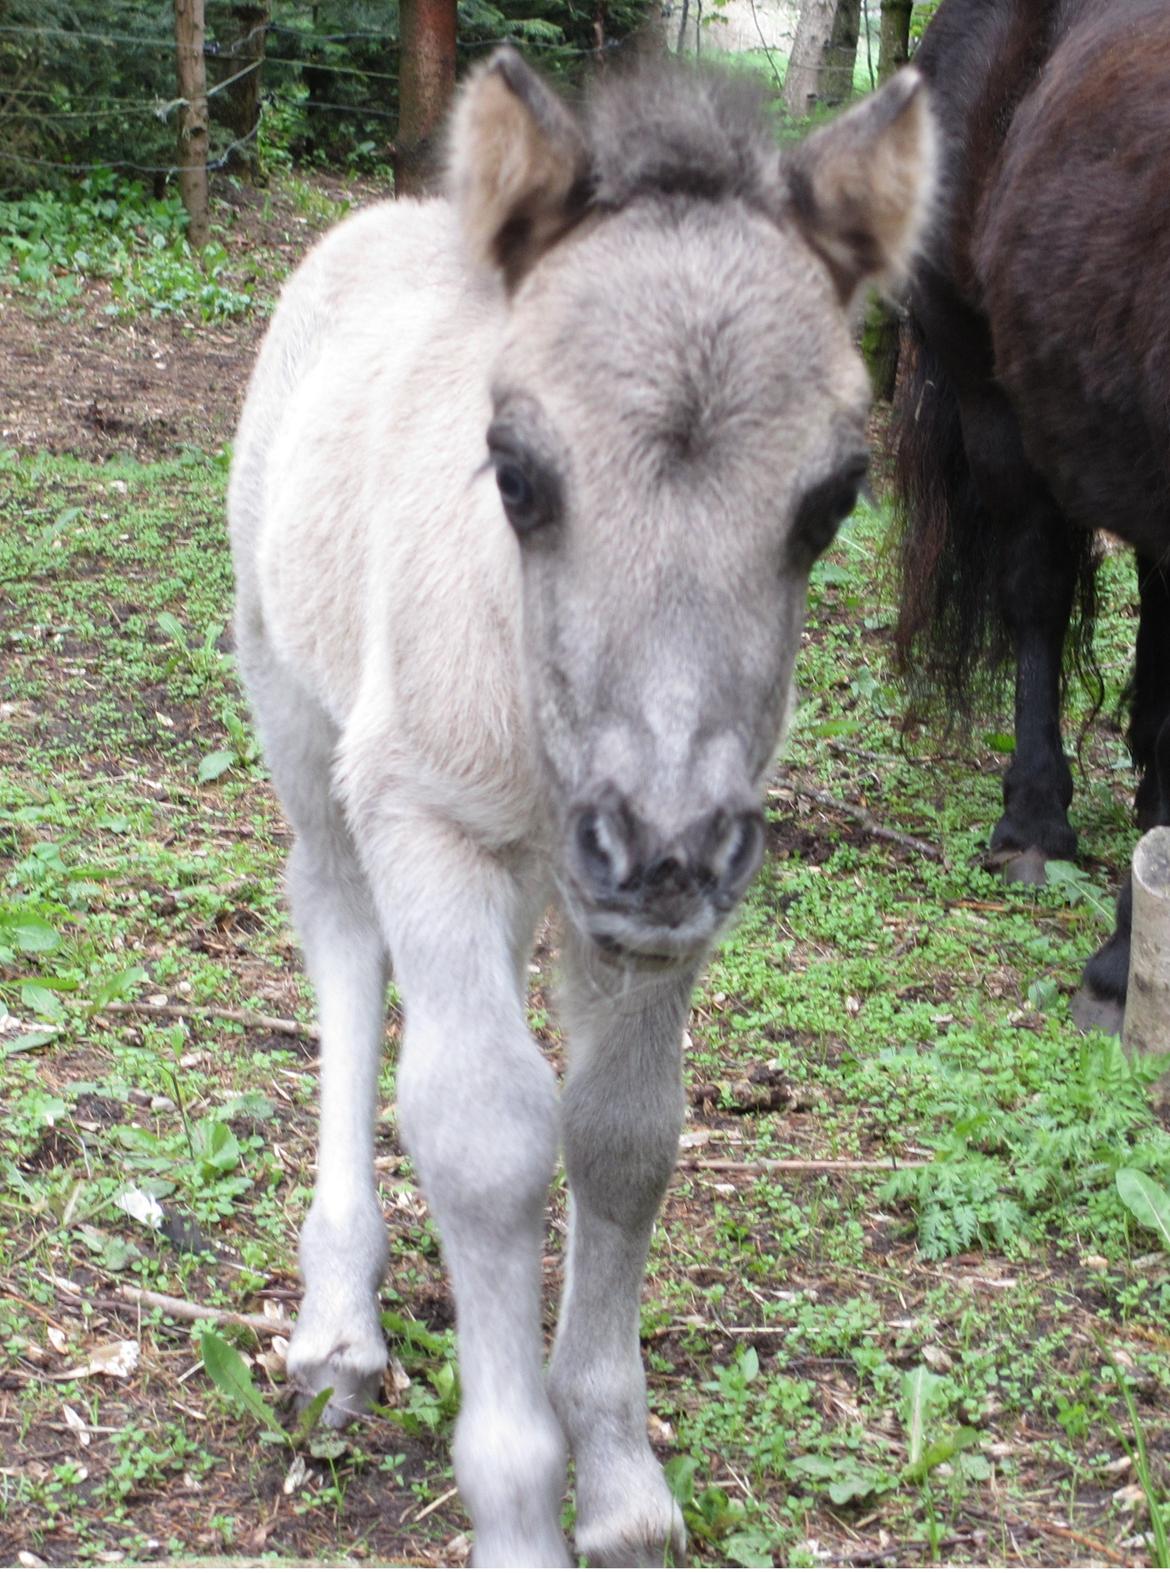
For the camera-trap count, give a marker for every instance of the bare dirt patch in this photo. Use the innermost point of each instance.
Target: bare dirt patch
(95, 385)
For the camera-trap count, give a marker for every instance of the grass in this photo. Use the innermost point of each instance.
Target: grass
(55, 245)
(966, 1358)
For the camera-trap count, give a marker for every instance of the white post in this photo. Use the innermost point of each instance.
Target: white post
(1147, 1012)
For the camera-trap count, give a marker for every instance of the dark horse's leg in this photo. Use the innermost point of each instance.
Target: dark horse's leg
(1036, 585)
(1101, 999)
(1148, 734)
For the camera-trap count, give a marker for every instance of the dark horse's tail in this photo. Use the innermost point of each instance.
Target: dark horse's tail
(951, 642)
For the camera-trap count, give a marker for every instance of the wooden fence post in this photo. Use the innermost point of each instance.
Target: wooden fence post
(1147, 1011)
(193, 135)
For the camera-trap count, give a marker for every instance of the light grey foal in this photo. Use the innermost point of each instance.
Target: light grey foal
(557, 674)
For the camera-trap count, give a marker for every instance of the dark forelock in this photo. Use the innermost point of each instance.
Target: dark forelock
(666, 127)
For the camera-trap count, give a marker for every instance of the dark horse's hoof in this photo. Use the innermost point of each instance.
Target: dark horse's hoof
(1090, 1010)
(1020, 868)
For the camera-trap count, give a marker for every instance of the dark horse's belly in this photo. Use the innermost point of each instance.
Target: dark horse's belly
(1073, 260)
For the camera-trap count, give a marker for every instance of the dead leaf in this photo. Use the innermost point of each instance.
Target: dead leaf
(141, 1206)
(118, 1358)
(937, 1359)
(272, 1362)
(77, 1425)
(398, 1381)
(297, 1475)
(697, 1138)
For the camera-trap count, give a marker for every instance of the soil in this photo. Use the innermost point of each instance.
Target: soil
(97, 386)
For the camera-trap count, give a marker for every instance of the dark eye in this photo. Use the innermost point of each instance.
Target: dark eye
(526, 491)
(822, 510)
(516, 491)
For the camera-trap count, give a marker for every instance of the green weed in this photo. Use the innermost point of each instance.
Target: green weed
(108, 228)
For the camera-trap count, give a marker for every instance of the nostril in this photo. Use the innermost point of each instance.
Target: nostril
(589, 840)
(603, 849)
(740, 851)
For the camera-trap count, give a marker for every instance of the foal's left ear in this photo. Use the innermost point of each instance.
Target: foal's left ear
(518, 166)
(861, 189)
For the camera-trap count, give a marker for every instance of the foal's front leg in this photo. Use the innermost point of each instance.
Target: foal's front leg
(621, 1113)
(477, 1111)
(337, 1342)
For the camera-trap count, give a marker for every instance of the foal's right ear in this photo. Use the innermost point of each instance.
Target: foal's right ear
(861, 189)
(518, 166)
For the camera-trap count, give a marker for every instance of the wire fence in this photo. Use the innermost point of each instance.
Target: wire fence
(51, 119)
(223, 161)
(297, 56)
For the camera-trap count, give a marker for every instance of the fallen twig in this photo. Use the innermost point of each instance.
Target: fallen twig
(188, 1311)
(246, 1018)
(897, 1553)
(431, 1506)
(796, 1165)
(862, 817)
(1098, 1547)
(183, 1310)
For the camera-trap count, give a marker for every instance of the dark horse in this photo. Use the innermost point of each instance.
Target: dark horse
(1034, 409)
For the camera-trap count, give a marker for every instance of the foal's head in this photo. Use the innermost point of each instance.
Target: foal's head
(678, 428)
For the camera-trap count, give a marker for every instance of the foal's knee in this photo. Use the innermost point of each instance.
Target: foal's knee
(620, 1154)
(480, 1121)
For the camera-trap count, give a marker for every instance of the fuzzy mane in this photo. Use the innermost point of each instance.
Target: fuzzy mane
(666, 127)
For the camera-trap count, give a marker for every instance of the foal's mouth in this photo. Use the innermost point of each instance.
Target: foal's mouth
(651, 960)
(620, 936)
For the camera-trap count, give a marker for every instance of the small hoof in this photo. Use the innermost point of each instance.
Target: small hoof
(1092, 1011)
(352, 1368)
(1028, 867)
(549, 1551)
(637, 1524)
(640, 1546)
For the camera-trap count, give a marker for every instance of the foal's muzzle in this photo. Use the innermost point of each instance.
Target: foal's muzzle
(653, 894)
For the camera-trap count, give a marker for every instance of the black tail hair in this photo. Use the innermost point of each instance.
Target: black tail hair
(951, 644)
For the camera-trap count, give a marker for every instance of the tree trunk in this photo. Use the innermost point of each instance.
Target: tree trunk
(599, 21)
(824, 53)
(881, 334)
(649, 37)
(1147, 1010)
(894, 40)
(243, 59)
(193, 137)
(426, 81)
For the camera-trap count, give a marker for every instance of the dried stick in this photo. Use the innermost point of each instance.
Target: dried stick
(246, 1018)
(1098, 1547)
(864, 818)
(188, 1311)
(799, 1165)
